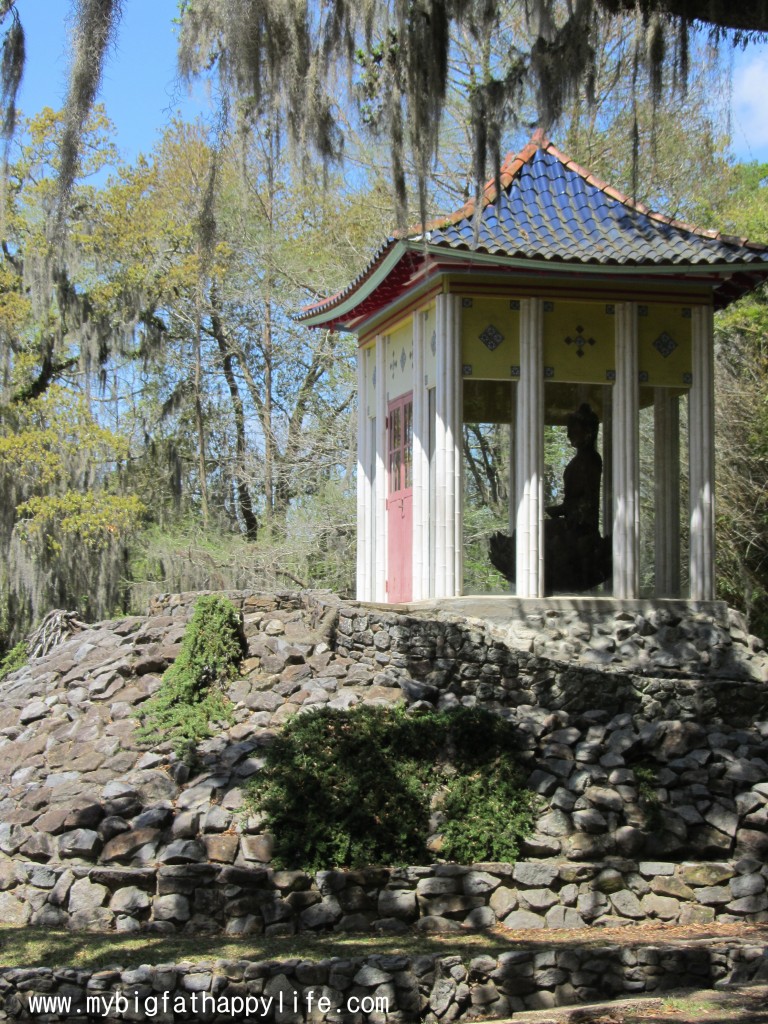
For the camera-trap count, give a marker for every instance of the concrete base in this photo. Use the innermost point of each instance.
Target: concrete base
(505, 608)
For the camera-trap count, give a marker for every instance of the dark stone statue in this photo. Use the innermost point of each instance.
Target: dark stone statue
(576, 557)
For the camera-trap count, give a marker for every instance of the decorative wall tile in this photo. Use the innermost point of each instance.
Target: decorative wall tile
(491, 337)
(665, 344)
(579, 340)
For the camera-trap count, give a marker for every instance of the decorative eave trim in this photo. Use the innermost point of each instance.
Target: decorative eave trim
(345, 302)
(341, 312)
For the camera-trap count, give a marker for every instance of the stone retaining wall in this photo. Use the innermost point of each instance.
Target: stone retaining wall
(679, 773)
(413, 988)
(205, 897)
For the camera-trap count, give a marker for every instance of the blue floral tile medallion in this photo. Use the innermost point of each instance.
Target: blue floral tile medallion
(665, 344)
(491, 337)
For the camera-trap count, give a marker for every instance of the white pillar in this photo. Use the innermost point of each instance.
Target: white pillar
(448, 449)
(529, 445)
(420, 466)
(626, 463)
(666, 448)
(380, 476)
(701, 437)
(364, 545)
(607, 482)
(513, 498)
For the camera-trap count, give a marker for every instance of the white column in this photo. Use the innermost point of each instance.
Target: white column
(457, 468)
(363, 482)
(380, 475)
(420, 466)
(448, 449)
(626, 464)
(529, 444)
(701, 437)
(666, 449)
(513, 495)
(607, 483)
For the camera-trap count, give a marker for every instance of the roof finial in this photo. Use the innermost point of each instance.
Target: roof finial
(539, 138)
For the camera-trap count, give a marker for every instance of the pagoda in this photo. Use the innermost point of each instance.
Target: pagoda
(559, 293)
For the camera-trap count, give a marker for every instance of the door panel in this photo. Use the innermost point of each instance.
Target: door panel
(400, 500)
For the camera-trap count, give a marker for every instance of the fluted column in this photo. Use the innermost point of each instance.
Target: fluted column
(626, 463)
(666, 450)
(529, 447)
(448, 449)
(364, 483)
(701, 437)
(380, 476)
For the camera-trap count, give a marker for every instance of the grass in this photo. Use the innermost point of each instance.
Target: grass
(40, 947)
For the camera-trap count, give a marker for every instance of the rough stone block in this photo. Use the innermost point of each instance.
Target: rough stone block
(523, 919)
(535, 875)
(173, 907)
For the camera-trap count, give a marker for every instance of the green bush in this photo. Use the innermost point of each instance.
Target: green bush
(191, 695)
(13, 659)
(487, 814)
(354, 788)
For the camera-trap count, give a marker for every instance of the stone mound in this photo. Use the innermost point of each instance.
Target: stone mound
(636, 772)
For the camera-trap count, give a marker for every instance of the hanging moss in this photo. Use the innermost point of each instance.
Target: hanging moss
(291, 58)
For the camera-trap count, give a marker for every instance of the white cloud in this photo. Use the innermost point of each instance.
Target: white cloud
(750, 100)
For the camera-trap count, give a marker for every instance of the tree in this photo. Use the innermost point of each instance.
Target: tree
(741, 396)
(65, 515)
(296, 58)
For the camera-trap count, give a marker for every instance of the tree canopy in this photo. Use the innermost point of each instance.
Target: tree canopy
(393, 55)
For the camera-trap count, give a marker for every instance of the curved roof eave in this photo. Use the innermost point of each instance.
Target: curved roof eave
(342, 309)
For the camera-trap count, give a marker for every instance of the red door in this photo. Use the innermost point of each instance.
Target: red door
(399, 499)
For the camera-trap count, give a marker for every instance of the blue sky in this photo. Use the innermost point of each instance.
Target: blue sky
(141, 92)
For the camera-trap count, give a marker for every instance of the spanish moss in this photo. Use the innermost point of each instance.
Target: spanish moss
(295, 56)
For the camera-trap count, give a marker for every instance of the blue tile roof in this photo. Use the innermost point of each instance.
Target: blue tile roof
(549, 210)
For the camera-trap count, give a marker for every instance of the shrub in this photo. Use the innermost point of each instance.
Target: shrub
(354, 788)
(191, 695)
(13, 659)
(487, 814)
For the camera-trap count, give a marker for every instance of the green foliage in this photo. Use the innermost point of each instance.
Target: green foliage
(645, 777)
(13, 659)
(487, 813)
(191, 695)
(355, 788)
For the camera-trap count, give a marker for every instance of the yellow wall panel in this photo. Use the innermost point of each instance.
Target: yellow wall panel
(368, 355)
(664, 340)
(399, 361)
(430, 347)
(490, 337)
(579, 341)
